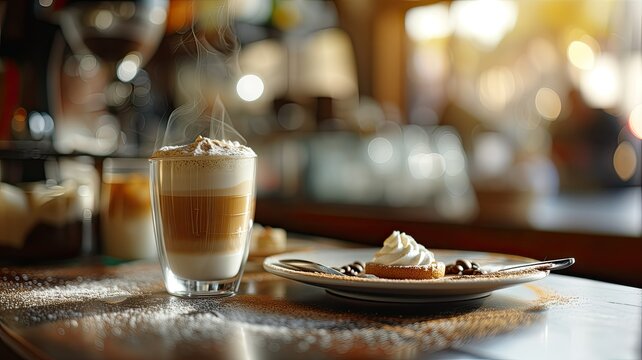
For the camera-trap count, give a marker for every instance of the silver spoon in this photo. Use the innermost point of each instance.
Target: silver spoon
(305, 265)
(557, 264)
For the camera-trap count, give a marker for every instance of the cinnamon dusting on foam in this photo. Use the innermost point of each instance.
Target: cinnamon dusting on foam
(204, 146)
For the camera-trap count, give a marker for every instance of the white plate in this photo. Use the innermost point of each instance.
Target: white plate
(405, 291)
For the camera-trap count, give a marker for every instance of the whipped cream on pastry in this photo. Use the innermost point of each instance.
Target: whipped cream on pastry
(400, 249)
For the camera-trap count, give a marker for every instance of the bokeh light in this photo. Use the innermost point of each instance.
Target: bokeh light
(88, 63)
(496, 87)
(493, 154)
(253, 11)
(581, 55)
(157, 15)
(428, 22)
(380, 150)
(455, 162)
(106, 137)
(40, 125)
(601, 85)
(128, 67)
(635, 121)
(18, 121)
(548, 103)
(625, 160)
(426, 165)
(486, 22)
(250, 87)
(103, 19)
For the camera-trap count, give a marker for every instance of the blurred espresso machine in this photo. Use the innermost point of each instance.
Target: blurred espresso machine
(72, 91)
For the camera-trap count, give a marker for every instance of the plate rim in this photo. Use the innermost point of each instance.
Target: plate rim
(408, 288)
(381, 298)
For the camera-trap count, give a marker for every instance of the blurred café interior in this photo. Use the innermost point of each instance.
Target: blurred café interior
(511, 126)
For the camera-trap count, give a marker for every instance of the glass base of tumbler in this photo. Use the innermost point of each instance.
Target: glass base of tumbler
(200, 288)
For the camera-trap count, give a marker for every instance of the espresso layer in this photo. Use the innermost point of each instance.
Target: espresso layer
(211, 224)
(246, 187)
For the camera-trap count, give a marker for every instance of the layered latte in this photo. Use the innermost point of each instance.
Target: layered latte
(204, 196)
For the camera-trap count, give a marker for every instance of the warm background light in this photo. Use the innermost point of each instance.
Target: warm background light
(128, 67)
(327, 66)
(625, 160)
(548, 103)
(581, 55)
(428, 22)
(496, 87)
(250, 87)
(635, 121)
(485, 22)
(601, 85)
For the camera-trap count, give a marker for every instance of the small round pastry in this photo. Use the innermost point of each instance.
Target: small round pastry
(434, 270)
(267, 240)
(401, 257)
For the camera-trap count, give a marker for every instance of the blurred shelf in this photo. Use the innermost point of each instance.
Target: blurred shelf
(616, 212)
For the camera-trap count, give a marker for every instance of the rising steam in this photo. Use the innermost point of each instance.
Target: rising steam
(216, 49)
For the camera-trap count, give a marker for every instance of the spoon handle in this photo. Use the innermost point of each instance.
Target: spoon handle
(305, 265)
(557, 264)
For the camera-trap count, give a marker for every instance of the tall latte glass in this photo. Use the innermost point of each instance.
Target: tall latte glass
(203, 198)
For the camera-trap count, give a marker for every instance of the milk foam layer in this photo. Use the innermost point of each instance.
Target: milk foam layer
(206, 164)
(204, 146)
(188, 177)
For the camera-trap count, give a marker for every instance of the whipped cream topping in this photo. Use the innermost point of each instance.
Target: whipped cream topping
(203, 146)
(401, 249)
